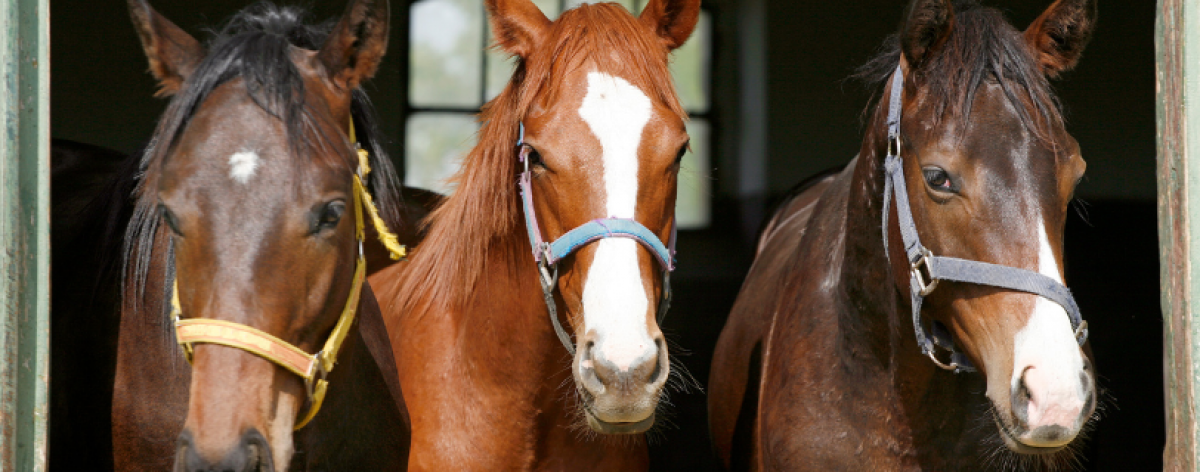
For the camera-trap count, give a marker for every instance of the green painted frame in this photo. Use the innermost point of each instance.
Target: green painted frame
(24, 233)
(1177, 44)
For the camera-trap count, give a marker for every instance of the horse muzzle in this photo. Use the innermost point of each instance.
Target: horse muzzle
(621, 386)
(252, 453)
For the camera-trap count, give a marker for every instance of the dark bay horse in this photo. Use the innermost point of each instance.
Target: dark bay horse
(246, 241)
(592, 128)
(84, 314)
(967, 157)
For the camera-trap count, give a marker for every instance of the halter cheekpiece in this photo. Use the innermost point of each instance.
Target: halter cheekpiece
(547, 254)
(313, 368)
(926, 269)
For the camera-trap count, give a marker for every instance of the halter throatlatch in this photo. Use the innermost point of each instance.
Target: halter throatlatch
(313, 368)
(927, 269)
(547, 254)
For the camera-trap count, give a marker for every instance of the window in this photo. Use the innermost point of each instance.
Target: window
(452, 74)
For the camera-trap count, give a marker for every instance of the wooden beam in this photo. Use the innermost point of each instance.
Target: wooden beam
(24, 233)
(1177, 43)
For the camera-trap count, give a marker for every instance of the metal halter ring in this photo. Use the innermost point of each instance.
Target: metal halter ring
(1081, 332)
(925, 280)
(952, 366)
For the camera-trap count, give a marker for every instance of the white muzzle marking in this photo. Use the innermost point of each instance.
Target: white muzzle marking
(281, 431)
(1048, 356)
(615, 301)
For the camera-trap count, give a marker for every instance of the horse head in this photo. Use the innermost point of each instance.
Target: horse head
(252, 174)
(602, 134)
(990, 172)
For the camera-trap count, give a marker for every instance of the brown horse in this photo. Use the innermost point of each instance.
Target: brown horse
(592, 125)
(248, 210)
(84, 315)
(818, 367)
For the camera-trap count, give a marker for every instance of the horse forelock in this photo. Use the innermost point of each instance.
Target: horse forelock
(483, 218)
(981, 47)
(254, 46)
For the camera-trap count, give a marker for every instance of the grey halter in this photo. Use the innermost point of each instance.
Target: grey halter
(927, 269)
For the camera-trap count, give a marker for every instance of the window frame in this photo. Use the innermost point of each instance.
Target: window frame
(709, 115)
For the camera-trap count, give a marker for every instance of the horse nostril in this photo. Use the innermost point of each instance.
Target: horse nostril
(587, 370)
(255, 454)
(186, 457)
(661, 366)
(1021, 398)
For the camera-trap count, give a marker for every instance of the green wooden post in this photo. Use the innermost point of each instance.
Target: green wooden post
(1177, 40)
(24, 233)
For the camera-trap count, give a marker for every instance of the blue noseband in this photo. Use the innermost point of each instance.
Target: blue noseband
(547, 254)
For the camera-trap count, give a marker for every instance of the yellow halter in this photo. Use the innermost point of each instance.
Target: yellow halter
(313, 368)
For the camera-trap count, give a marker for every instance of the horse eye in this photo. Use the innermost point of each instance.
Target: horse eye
(682, 151)
(329, 215)
(938, 179)
(535, 157)
(170, 219)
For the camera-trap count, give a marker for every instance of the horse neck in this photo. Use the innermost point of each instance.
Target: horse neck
(870, 296)
(509, 314)
(875, 313)
(502, 326)
(875, 316)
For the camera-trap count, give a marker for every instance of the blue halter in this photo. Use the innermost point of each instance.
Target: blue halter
(547, 254)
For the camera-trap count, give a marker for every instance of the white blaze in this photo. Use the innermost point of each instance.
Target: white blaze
(1046, 346)
(282, 447)
(242, 166)
(614, 299)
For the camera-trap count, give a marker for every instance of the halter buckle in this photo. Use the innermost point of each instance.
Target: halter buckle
(316, 373)
(924, 278)
(546, 269)
(894, 145)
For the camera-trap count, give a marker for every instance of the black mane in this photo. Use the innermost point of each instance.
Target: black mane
(254, 46)
(982, 47)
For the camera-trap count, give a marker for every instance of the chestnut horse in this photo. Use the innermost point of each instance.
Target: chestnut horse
(964, 177)
(591, 126)
(245, 246)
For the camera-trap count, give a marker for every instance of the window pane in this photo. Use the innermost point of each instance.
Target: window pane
(446, 65)
(694, 196)
(434, 146)
(690, 67)
(499, 65)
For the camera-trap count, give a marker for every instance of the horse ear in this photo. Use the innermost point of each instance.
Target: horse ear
(1059, 35)
(173, 53)
(926, 27)
(357, 43)
(518, 25)
(672, 20)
